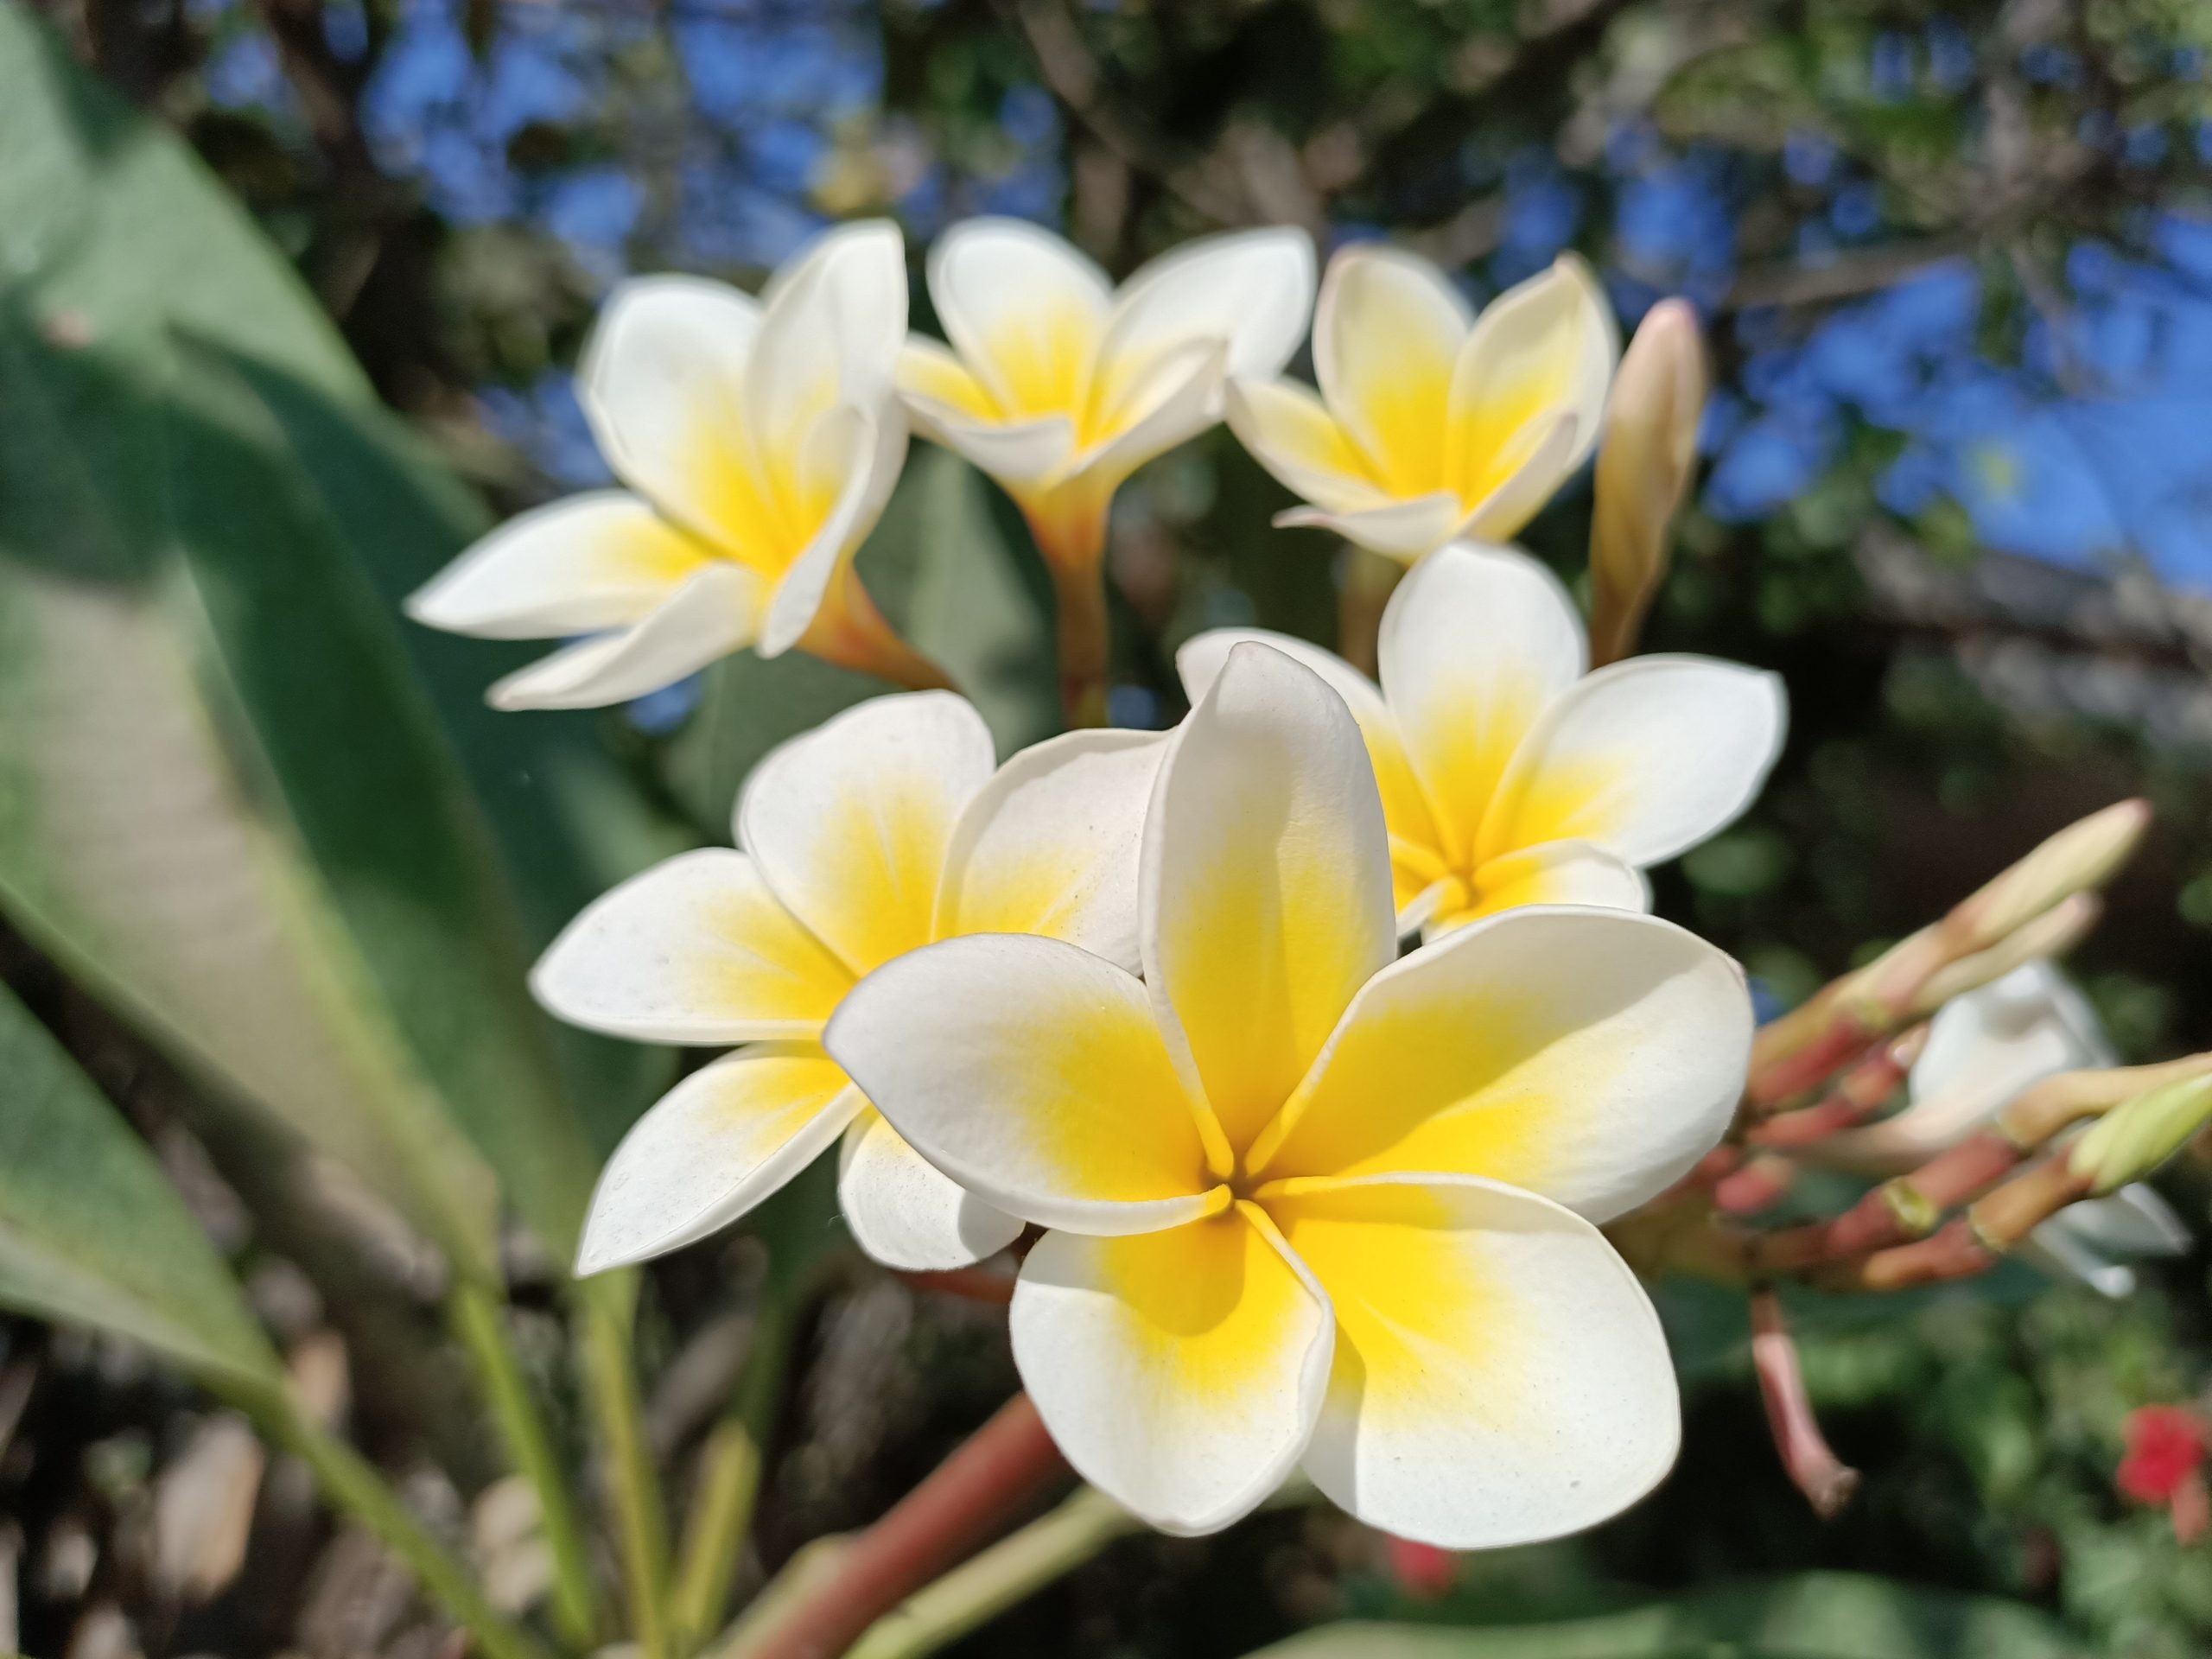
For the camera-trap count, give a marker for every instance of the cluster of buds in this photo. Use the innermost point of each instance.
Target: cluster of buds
(1998, 1160)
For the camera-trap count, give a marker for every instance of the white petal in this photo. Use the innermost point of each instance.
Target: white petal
(662, 383)
(1646, 758)
(1251, 290)
(1386, 333)
(1291, 434)
(714, 613)
(1557, 873)
(1533, 468)
(1051, 844)
(1023, 309)
(865, 453)
(1033, 1074)
(1180, 1372)
(1177, 398)
(1400, 530)
(1475, 645)
(1200, 660)
(1543, 348)
(1015, 451)
(1267, 886)
(831, 329)
(601, 560)
(1593, 1055)
(1500, 1376)
(696, 950)
(850, 821)
(904, 1213)
(712, 1147)
(2135, 1221)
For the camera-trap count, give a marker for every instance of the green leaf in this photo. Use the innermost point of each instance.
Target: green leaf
(1808, 1616)
(233, 726)
(90, 1233)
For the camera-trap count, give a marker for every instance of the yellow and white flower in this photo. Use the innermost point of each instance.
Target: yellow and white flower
(759, 440)
(1059, 386)
(1433, 424)
(1509, 776)
(879, 831)
(1984, 1049)
(1310, 1203)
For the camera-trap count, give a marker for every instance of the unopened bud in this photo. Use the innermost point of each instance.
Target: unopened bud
(2079, 857)
(2130, 1142)
(1643, 470)
(2054, 933)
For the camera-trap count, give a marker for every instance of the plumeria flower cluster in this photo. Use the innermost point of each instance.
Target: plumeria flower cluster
(1135, 1005)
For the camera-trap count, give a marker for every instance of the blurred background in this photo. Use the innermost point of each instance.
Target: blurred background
(1956, 261)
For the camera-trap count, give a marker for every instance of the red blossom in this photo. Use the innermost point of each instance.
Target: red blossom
(1423, 1571)
(2165, 1448)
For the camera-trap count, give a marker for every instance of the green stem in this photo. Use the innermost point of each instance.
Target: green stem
(1009, 1571)
(730, 1468)
(479, 1319)
(352, 1485)
(607, 1303)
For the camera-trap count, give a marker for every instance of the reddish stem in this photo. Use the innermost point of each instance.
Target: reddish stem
(1827, 1481)
(1759, 1185)
(1857, 1094)
(996, 1471)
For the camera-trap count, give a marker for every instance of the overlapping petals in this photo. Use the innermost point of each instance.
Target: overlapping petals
(1430, 423)
(1509, 776)
(759, 440)
(864, 839)
(1059, 387)
(1307, 1205)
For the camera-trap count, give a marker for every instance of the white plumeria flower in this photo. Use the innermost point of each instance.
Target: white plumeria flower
(759, 439)
(1309, 1203)
(877, 832)
(1509, 776)
(1062, 386)
(1433, 424)
(1984, 1049)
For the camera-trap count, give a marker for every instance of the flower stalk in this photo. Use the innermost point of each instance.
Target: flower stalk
(993, 1474)
(607, 1306)
(478, 1321)
(1827, 1481)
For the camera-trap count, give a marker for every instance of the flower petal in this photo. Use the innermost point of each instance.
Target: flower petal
(850, 822)
(1500, 1376)
(1405, 808)
(1386, 333)
(1178, 397)
(831, 329)
(1179, 1371)
(712, 1147)
(1474, 645)
(1557, 873)
(950, 406)
(904, 1213)
(1251, 291)
(715, 611)
(1646, 757)
(1593, 1055)
(601, 560)
(1266, 881)
(1400, 530)
(1291, 433)
(1033, 1073)
(1024, 310)
(1051, 844)
(1544, 348)
(662, 384)
(1530, 471)
(857, 456)
(696, 950)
